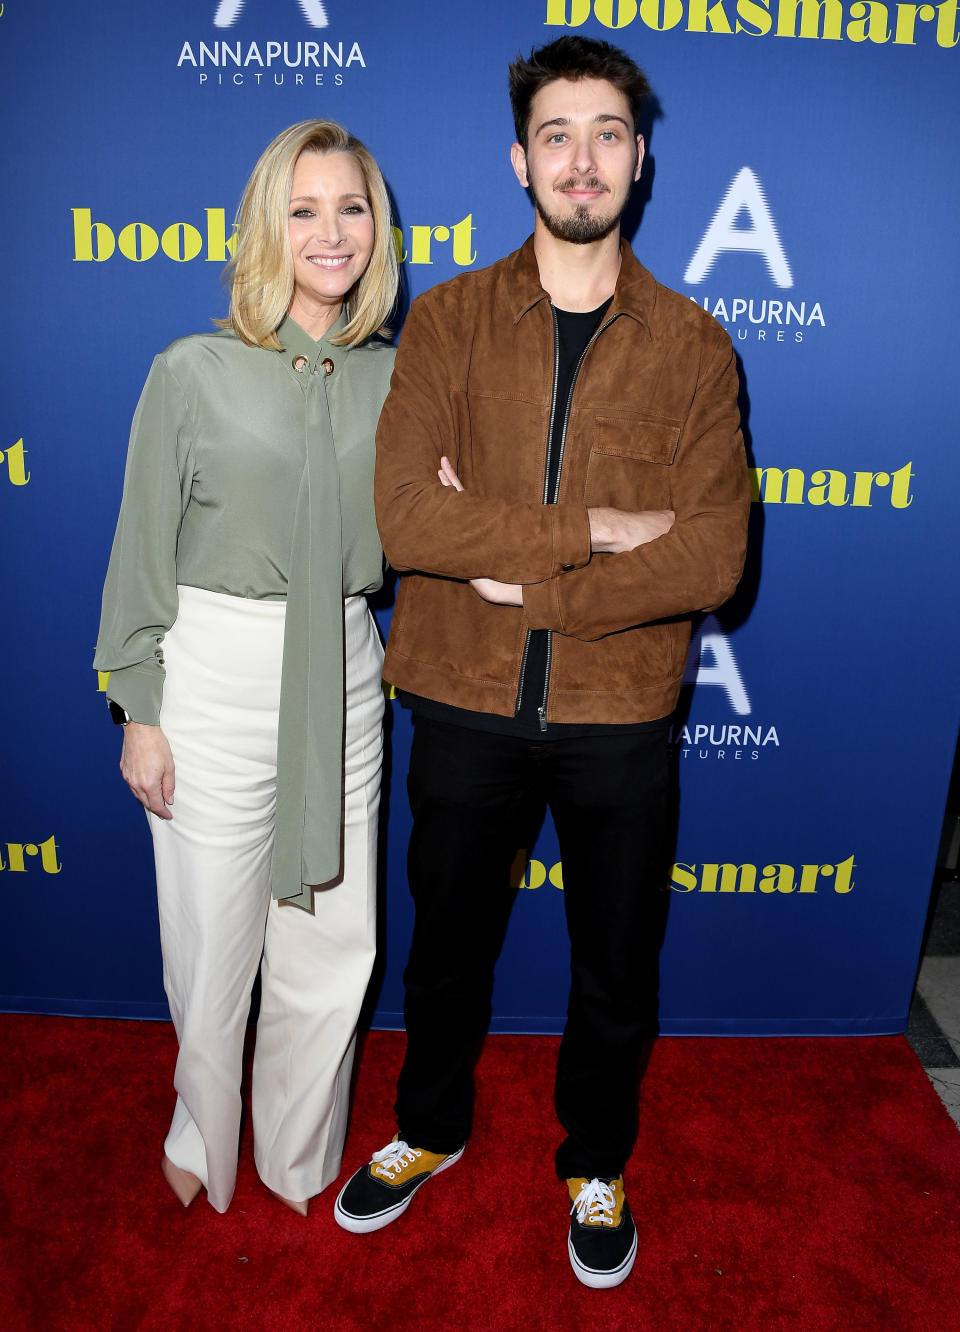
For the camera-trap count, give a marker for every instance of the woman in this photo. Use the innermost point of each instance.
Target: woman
(245, 665)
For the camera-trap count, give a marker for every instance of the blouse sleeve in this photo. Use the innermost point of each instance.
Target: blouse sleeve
(140, 592)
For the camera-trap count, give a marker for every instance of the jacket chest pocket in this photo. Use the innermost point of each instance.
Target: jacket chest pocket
(631, 457)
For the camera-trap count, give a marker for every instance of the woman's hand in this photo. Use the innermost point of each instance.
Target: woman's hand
(147, 767)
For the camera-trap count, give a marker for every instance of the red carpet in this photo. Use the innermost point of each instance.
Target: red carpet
(777, 1184)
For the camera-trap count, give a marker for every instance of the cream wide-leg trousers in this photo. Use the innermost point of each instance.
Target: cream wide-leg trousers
(218, 922)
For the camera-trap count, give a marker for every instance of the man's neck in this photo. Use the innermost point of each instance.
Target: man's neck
(577, 277)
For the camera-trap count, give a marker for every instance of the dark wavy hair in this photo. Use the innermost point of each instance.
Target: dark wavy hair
(573, 58)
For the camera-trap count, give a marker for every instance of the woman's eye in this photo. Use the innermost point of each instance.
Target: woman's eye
(301, 212)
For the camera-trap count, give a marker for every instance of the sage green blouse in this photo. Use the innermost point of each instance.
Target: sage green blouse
(250, 472)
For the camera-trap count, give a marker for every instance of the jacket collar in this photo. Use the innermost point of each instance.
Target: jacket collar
(635, 293)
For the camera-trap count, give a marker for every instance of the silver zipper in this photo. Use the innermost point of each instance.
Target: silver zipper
(542, 709)
(543, 500)
(566, 416)
(523, 671)
(553, 404)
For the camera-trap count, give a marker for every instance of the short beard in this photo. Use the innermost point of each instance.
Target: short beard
(579, 228)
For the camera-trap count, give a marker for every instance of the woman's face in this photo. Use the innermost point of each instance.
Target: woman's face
(331, 236)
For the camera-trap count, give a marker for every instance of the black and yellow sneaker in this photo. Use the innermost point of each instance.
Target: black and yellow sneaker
(379, 1192)
(603, 1239)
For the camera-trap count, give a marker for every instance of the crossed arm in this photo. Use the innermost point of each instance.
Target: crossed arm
(612, 530)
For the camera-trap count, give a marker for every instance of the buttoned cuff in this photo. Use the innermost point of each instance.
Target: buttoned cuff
(571, 537)
(541, 604)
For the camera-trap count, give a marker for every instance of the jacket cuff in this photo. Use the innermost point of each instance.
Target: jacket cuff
(571, 537)
(541, 605)
(138, 691)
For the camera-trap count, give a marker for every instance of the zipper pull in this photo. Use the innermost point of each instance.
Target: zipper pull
(542, 714)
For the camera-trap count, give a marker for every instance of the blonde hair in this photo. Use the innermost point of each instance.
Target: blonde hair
(260, 273)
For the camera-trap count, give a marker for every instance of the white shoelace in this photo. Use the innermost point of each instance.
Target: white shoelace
(394, 1158)
(594, 1204)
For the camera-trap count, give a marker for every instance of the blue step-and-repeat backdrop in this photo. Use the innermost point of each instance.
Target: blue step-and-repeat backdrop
(801, 185)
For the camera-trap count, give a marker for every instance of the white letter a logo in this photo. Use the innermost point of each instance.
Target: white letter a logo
(711, 662)
(228, 11)
(744, 195)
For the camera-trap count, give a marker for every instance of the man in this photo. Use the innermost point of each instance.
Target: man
(561, 479)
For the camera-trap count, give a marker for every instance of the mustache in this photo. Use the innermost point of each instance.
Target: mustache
(578, 183)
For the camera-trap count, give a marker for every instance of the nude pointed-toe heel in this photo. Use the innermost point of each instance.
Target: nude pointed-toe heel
(301, 1208)
(184, 1185)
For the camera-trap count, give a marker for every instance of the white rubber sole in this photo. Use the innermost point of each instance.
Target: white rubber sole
(602, 1280)
(364, 1225)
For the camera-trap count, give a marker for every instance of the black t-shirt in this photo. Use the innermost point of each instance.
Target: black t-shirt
(574, 331)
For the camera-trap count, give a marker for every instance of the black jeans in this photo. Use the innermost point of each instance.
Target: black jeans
(475, 796)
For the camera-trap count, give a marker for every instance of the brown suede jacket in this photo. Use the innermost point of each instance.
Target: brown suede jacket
(653, 424)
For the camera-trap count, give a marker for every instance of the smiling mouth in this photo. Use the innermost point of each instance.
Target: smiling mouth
(337, 262)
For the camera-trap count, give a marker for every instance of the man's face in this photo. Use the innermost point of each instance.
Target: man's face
(582, 158)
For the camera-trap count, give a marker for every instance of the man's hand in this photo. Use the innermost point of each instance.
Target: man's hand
(618, 530)
(447, 475)
(498, 594)
(147, 767)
